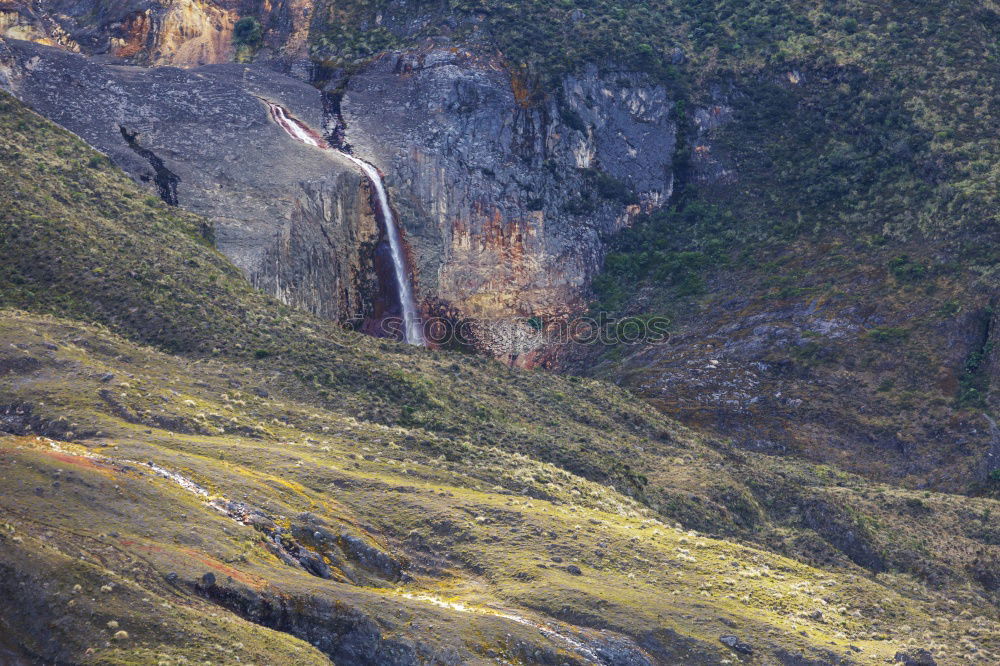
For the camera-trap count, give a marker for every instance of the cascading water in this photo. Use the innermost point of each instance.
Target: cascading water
(294, 128)
(412, 329)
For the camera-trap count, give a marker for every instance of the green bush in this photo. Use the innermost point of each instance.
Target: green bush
(906, 270)
(248, 32)
(572, 119)
(973, 384)
(669, 251)
(580, 206)
(888, 334)
(611, 188)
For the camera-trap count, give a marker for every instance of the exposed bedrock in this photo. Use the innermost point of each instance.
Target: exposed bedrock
(505, 203)
(296, 220)
(159, 32)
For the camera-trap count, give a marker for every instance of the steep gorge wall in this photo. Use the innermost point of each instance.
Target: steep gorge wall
(505, 202)
(506, 198)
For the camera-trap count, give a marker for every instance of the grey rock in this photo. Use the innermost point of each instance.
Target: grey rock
(503, 199)
(345, 634)
(314, 564)
(487, 182)
(918, 657)
(295, 219)
(370, 557)
(734, 643)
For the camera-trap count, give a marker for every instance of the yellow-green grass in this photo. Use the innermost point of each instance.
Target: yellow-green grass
(479, 553)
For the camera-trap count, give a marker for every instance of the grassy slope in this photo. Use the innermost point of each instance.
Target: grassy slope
(462, 450)
(877, 342)
(112, 522)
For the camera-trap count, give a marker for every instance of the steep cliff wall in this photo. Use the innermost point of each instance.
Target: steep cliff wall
(505, 201)
(296, 220)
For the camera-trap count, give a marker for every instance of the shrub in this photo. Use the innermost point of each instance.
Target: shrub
(888, 334)
(905, 269)
(580, 206)
(248, 32)
(572, 119)
(611, 188)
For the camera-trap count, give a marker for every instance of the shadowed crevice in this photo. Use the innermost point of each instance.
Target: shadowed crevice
(165, 179)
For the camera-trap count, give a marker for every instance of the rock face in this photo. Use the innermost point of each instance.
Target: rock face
(505, 202)
(163, 32)
(296, 220)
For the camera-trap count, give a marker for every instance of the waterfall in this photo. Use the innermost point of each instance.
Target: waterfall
(412, 329)
(294, 128)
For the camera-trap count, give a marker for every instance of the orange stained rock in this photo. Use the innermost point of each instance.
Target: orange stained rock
(136, 31)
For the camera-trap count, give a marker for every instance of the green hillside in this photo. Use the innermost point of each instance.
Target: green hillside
(529, 512)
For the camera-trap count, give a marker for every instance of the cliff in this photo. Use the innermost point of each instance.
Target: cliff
(170, 32)
(506, 203)
(297, 221)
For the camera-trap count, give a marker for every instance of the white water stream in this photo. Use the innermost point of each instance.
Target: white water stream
(412, 327)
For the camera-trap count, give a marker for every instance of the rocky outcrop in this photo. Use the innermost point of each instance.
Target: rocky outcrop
(296, 220)
(505, 200)
(345, 634)
(22, 20)
(162, 32)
